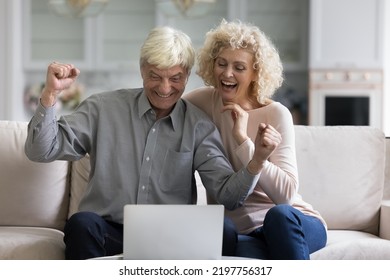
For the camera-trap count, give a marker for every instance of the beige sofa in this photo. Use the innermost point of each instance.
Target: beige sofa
(341, 169)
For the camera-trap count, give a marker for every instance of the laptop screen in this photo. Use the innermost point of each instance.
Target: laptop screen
(173, 232)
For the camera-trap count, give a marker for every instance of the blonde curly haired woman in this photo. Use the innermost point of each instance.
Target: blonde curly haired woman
(241, 70)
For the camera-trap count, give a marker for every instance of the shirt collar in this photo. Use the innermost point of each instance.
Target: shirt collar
(176, 116)
(143, 105)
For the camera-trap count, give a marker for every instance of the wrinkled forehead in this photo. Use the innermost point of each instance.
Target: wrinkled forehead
(177, 70)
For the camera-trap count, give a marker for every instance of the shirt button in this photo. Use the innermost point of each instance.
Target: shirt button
(153, 130)
(148, 158)
(143, 188)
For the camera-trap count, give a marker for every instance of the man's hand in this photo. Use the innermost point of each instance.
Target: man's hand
(59, 77)
(267, 140)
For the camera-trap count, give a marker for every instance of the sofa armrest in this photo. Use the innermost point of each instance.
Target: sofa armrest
(384, 226)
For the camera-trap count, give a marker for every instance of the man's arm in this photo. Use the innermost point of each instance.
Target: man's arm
(43, 140)
(223, 184)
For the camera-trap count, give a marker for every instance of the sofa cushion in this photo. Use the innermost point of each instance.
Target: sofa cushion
(30, 243)
(31, 194)
(353, 245)
(79, 182)
(341, 245)
(341, 173)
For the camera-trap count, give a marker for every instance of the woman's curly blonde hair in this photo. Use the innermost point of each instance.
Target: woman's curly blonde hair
(238, 35)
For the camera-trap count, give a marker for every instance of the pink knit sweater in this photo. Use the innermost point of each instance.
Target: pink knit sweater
(278, 183)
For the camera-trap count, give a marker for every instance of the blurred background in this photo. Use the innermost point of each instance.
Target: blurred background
(335, 53)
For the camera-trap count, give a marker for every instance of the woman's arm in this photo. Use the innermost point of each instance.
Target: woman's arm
(279, 176)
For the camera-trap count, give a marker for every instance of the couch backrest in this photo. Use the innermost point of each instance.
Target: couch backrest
(79, 183)
(31, 194)
(341, 173)
(386, 192)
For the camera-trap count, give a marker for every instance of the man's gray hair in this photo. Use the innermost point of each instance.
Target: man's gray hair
(166, 47)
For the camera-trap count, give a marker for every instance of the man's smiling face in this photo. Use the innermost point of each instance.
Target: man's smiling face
(163, 87)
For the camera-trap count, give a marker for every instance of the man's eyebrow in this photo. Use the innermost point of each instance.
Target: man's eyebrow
(152, 72)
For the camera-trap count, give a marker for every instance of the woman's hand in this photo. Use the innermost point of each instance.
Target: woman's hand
(59, 77)
(240, 119)
(267, 140)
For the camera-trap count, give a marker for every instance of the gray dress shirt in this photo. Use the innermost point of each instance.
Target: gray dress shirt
(136, 159)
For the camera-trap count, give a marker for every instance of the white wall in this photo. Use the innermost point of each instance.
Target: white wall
(12, 77)
(386, 88)
(2, 58)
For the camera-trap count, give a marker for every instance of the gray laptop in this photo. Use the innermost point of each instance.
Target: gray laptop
(173, 232)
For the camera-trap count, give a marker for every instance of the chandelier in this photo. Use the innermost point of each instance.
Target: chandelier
(77, 8)
(185, 8)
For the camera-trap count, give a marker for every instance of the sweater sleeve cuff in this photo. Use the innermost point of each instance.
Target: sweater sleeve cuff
(245, 151)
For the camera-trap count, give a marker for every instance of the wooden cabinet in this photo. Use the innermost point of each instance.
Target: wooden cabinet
(112, 39)
(120, 31)
(48, 37)
(346, 34)
(347, 50)
(108, 41)
(286, 23)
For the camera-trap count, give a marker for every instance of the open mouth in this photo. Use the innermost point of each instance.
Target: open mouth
(164, 96)
(228, 85)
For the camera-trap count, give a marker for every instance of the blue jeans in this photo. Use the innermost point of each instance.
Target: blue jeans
(87, 235)
(287, 234)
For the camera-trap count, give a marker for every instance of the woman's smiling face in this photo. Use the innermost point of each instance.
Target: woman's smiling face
(234, 73)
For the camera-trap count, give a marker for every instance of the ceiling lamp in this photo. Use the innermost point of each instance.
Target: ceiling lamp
(186, 8)
(77, 8)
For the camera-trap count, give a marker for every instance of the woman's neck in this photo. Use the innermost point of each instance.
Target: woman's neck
(250, 103)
